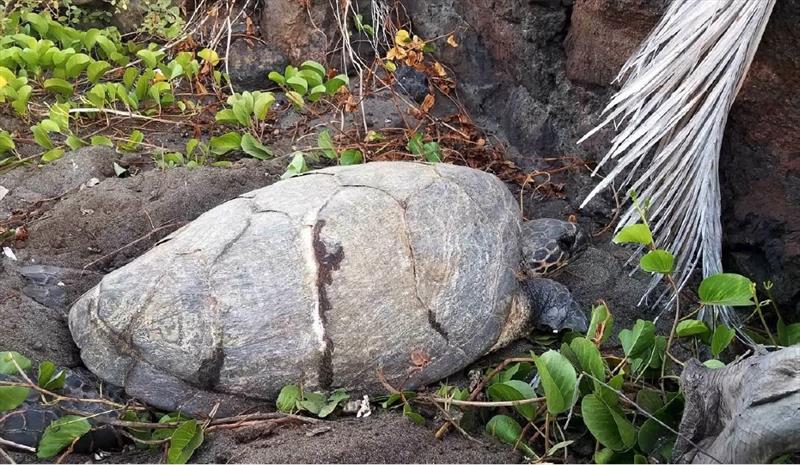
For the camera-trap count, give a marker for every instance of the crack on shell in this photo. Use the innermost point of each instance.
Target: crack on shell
(327, 262)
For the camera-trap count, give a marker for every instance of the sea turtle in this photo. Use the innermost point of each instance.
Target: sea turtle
(414, 270)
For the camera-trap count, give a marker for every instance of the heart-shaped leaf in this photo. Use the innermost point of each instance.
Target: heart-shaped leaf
(639, 339)
(60, 434)
(607, 424)
(726, 289)
(634, 234)
(658, 261)
(12, 397)
(558, 380)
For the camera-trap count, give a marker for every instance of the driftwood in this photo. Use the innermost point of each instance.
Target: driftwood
(747, 412)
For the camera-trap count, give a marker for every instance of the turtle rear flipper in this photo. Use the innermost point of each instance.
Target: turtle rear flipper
(27, 423)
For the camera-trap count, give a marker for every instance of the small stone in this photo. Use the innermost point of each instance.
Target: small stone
(411, 82)
(318, 431)
(249, 64)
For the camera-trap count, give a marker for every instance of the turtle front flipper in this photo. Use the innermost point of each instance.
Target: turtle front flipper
(552, 306)
(541, 304)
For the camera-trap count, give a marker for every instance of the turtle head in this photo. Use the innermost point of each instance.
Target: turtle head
(548, 244)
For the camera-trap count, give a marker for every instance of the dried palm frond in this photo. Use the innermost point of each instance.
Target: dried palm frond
(678, 89)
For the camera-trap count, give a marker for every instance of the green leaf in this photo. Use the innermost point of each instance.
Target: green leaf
(48, 378)
(209, 56)
(184, 441)
(714, 364)
(604, 456)
(415, 144)
(74, 143)
(602, 321)
(638, 340)
(558, 380)
(607, 424)
(409, 413)
(650, 400)
(432, 152)
(325, 143)
(225, 143)
(513, 390)
(726, 289)
(262, 102)
(277, 78)
(610, 394)
(688, 328)
(337, 397)
(90, 38)
(254, 148)
(20, 103)
(157, 89)
(52, 155)
(149, 57)
(76, 64)
(351, 157)
(48, 125)
(634, 234)
(12, 397)
(655, 439)
(96, 70)
(6, 142)
(296, 167)
(722, 337)
(59, 113)
(589, 358)
(101, 141)
(316, 93)
(507, 430)
(130, 77)
(58, 86)
(788, 335)
(133, 142)
(60, 434)
(312, 78)
(41, 137)
(315, 67)
(290, 71)
(227, 116)
(335, 83)
(298, 84)
(296, 99)
(393, 399)
(658, 261)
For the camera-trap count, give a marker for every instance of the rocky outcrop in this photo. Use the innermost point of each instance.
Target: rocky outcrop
(539, 72)
(760, 163)
(604, 33)
(299, 29)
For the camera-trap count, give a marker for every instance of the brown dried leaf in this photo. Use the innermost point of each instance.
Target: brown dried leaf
(451, 41)
(427, 104)
(21, 234)
(439, 69)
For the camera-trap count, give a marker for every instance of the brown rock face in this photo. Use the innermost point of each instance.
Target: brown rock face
(298, 31)
(604, 33)
(760, 163)
(760, 160)
(539, 72)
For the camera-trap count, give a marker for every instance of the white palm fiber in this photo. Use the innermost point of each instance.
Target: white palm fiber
(678, 89)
